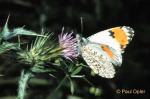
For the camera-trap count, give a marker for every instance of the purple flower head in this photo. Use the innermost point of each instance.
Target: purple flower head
(69, 45)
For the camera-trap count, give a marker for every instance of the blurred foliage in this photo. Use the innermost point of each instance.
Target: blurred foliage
(98, 15)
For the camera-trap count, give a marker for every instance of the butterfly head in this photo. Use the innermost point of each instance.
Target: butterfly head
(81, 42)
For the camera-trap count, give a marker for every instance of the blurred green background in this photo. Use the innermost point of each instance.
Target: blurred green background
(97, 15)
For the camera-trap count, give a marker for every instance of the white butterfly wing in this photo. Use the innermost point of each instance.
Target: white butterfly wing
(116, 59)
(98, 60)
(104, 37)
(103, 50)
(117, 37)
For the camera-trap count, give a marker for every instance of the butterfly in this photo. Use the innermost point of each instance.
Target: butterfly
(103, 50)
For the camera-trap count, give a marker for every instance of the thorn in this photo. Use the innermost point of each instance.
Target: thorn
(5, 31)
(8, 18)
(6, 24)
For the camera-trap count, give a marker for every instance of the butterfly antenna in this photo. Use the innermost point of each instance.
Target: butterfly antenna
(81, 18)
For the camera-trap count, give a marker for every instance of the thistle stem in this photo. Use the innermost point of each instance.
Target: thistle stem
(24, 78)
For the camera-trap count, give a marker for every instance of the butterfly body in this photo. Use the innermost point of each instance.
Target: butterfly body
(102, 51)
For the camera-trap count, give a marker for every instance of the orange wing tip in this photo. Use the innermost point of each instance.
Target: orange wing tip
(120, 35)
(123, 35)
(129, 31)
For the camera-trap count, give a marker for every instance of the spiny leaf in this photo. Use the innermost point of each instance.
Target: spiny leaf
(5, 46)
(22, 31)
(7, 34)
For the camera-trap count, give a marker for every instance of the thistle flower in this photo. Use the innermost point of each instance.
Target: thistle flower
(69, 45)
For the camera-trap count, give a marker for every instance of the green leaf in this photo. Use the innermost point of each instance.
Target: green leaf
(5, 46)
(41, 69)
(71, 86)
(81, 64)
(77, 70)
(77, 76)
